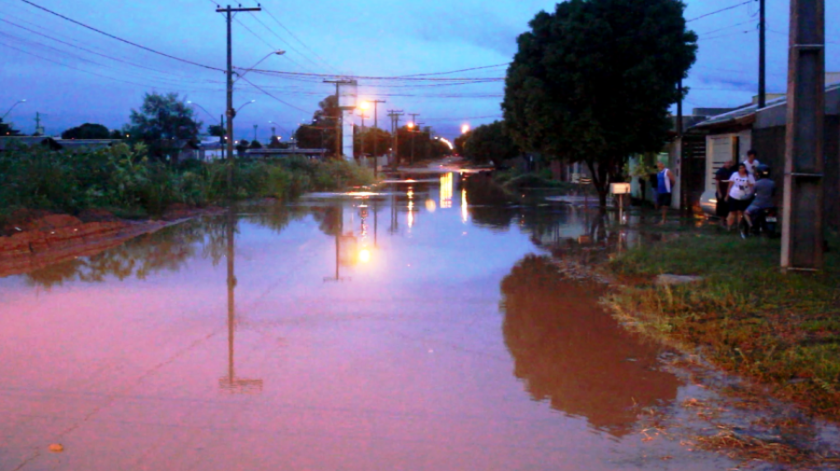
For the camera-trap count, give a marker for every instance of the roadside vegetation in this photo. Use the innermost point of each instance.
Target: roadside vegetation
(747, 317)
(128, 182)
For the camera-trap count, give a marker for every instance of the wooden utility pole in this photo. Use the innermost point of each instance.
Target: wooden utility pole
(362, 138)
(762, 55)
(228, 11)
(802, 223)
(376, 137)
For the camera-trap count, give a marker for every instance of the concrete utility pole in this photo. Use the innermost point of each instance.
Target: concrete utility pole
(340, 117)
(395, 128)
(802, 223)
(376, 138)
(231, 112)
(762, 55)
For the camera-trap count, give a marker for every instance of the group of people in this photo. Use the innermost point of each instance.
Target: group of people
(743, 190)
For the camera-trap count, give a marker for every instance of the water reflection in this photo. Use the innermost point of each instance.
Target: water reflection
(231, 383)
(570, 353)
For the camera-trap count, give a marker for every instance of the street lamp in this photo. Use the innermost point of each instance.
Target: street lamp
(23, 100)
(465, 128)
(278, 52)
(243, 106)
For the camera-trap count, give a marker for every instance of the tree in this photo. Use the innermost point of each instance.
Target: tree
(489, 143)
(87, 131)
(372, 136)
(255, 144)
(460, 141)
(321, 133)
(162, 118)
(6, 129)
(593, 82)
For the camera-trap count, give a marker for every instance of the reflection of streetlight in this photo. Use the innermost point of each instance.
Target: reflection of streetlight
(23, 100)
(364, 256)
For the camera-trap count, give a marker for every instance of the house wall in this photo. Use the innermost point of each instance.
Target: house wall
(723, 147)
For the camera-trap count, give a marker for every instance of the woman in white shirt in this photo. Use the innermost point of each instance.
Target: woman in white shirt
(739, 194)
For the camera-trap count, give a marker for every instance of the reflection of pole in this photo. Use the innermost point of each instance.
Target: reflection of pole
(230, 382)
(231, 286)
(375, 221)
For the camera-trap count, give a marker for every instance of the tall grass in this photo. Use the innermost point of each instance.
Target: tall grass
(123, 178)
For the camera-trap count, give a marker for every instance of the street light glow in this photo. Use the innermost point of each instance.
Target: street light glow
(364, 105)
(465, 128)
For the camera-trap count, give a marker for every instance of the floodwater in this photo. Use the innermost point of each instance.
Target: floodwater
(420, 328)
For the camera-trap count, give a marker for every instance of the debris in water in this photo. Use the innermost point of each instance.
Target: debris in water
(56, 448)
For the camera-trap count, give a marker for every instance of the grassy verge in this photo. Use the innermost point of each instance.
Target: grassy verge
(782, 330)
(124, 180)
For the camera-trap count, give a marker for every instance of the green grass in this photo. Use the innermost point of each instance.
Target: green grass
(746, 315)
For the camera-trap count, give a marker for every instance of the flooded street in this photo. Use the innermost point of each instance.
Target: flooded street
(418, 328)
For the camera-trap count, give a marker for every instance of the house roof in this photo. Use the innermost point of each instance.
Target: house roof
(746, 114)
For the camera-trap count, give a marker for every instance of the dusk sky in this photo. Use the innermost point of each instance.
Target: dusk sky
(88, 77)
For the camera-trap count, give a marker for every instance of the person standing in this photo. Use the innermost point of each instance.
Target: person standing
(752, 162)
(722, 177)
(740, 191)
(664, 183)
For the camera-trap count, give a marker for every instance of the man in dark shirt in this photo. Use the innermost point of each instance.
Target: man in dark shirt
(722, 178)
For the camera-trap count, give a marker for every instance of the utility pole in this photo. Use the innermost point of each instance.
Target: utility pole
(362, 139)
(340, 118)
(428, 132)
(412, 128)
(802, 220)
(222, 137)
(255, 131)
(231, 112)
(376, 137)
(395, 123)
(680, 110)
(762, 55)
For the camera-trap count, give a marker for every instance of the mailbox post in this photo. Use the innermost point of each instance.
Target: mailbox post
(620, 189)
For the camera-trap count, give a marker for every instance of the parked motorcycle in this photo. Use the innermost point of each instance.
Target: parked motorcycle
(764, 223)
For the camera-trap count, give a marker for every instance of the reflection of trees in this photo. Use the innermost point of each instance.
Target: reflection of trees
(489, 202)
(328, 218)
(569, 352)
(164, 250)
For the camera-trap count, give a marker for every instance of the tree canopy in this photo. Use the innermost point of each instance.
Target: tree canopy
(321, 133)
(490, 142)
(593, 81)
(163, 117)
(87, 131)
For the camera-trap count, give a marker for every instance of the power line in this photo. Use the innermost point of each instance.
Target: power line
(299, 40)
(126, 41)
(284, 41)
(267, 93)
(90, 51)
(724, 28)
(456, 71)
(719, 11)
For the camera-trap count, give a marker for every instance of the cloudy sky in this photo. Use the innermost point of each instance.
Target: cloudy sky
(72, 75)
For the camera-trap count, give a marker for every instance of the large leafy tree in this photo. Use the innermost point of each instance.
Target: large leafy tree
(87, 131)
(490, 142)
(593, 81)
(163, 118)
(320, 134)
